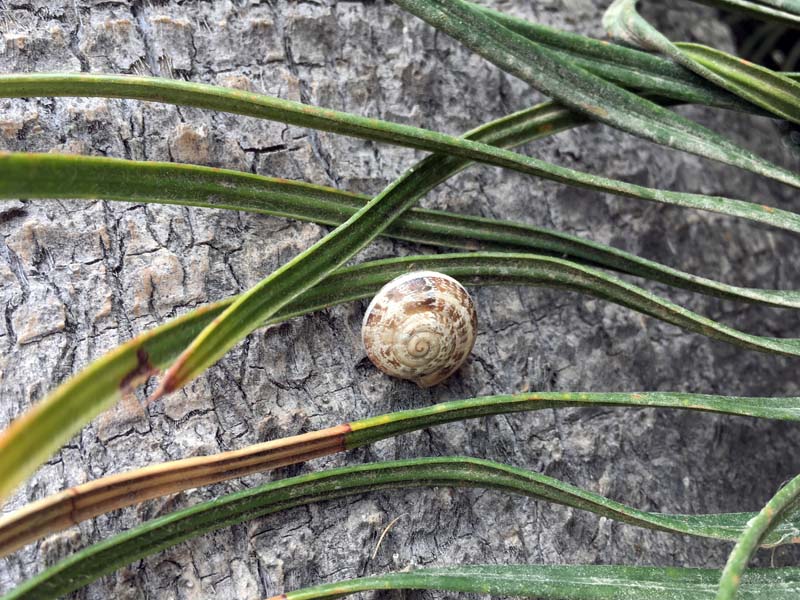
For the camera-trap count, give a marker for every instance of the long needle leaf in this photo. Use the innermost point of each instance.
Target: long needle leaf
(629, 67)
(32, 175)
(778, 510)
(763, 87)
(99, 496)
(565, 582)
(104, 557)
(52, 422)
(262, 106)
(758, 10)
(200, 95)
(584, 92)
(311, 266)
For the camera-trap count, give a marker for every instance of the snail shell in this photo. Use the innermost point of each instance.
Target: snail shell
(421, 326)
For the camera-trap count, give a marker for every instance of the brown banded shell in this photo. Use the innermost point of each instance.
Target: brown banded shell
(420, 326)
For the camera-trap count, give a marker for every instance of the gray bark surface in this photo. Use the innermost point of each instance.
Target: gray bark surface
(78, 278)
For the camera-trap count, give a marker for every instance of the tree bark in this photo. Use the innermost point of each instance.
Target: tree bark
(77, 278)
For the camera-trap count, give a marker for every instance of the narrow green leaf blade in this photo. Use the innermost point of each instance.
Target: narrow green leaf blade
(34, 436)
(492, 268)
(258, 105)
(104, 557)
(373, 429)
(764, 87)
(584, 92)
(778, 12)
(510, 130)
(99, 496)
(780, 509)
(50, 423)
(629, 67)
(483, 268)
(315, 263)
(306, 270)
(774, 92)
(565, 582)
(792, 6)
(31, 175)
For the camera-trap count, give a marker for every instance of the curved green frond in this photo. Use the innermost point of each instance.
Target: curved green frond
(104, 557)
(31, 175)
(492, 268)
(629, 67)
(510, 130)
(564, 80)
(767, 10)
(772, 91)
(780, 509)
(582, 76)
(315, 263)
(792, 6)
(112, 492)
(565, 582)
(258, 105)
(50, 423)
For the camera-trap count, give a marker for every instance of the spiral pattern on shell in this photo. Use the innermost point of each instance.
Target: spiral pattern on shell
(420, 326)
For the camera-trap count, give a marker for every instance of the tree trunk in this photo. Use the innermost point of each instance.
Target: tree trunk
(80, 277)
